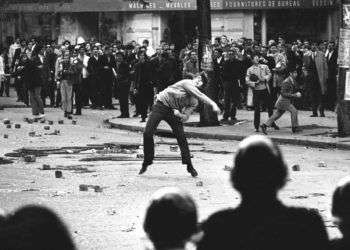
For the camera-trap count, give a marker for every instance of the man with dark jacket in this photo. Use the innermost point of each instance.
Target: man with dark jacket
(19, 85)
(33, 78)
(332, 58)
(94, 79)
(107, 69)
(143, 85)
(261, 220)
(231, 68)
(123, 84)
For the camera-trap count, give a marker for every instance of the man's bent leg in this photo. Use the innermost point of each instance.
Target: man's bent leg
(148, 142)
(178, 130)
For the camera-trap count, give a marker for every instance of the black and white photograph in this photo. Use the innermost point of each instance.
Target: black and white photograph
(175, 124)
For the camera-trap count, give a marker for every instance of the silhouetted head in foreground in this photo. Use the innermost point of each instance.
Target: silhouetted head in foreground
(34, 227)
(259, 169)
(341, 206)
(171, 218)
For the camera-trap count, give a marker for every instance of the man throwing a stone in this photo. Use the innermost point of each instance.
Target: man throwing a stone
(174, 105)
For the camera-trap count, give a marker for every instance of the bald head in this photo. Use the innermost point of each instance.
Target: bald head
(258, 166)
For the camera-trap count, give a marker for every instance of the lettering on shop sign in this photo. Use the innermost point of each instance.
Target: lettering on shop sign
(239, 4)
(134, 4)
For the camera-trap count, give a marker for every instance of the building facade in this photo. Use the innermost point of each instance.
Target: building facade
(173, 21)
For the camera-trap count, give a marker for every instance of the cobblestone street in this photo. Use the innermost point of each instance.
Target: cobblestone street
(113, 218)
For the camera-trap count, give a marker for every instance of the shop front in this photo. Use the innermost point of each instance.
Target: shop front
(174, 21)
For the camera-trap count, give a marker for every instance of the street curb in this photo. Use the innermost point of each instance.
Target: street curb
(6, 106)
(289, 141)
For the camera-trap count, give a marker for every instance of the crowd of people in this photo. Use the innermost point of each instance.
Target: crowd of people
(261, 221)
(246, 74)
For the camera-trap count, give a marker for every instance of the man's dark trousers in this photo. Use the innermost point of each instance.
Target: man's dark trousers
(161, 112)
(79, 97)
(261, 98)
(124, 89)
(231, 98)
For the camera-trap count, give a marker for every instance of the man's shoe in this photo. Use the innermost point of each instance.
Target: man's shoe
(263, 128)
(314, 115)
(143, 120)
(296, 129)
(274, 125)
(322, 115)
(135, 115)
(77, 113)
(224, 120)
(143, 168)
(192, 171)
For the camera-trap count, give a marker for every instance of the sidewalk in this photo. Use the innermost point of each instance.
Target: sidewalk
(317, 132)
(10, 102)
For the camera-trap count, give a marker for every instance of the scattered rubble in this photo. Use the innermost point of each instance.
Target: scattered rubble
(4, 161)
(228, 168)
(322, 164)
(6, 121)
(58, 174)
(29, 158)
(199, 184)
(296, 167)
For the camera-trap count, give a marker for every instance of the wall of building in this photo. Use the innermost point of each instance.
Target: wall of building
(77, 25)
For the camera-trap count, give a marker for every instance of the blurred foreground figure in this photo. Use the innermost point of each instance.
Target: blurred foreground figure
(171, 219)
(34, 227)
(262, 221)
(341, 211)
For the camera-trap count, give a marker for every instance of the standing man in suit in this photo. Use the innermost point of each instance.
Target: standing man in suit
(107, 71)
(322, 76)
(14, 64)
(230, 78)
(312, 86)
(123, 84)
(33, 78)
(284, 103)
(332, 58)
(94, 81)
(82, 91)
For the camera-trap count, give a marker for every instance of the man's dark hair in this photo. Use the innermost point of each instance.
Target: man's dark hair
(341, 200)
(171, 218)
(35, 227)
(258, 167)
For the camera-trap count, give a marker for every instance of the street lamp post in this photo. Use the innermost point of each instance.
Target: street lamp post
(343, 105)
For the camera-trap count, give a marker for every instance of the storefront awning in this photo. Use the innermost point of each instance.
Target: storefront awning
(158, 5)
